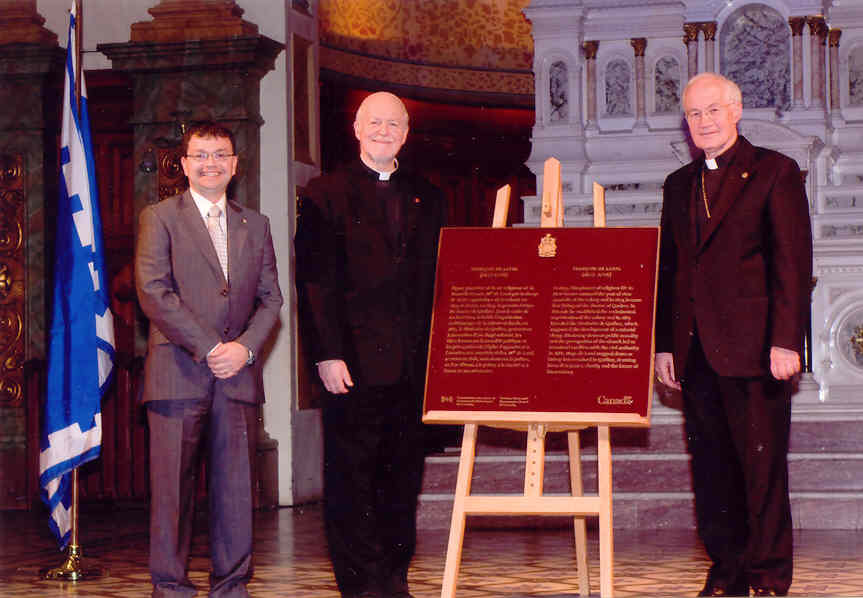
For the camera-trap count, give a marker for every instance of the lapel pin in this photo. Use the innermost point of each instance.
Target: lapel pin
(745, 175)
(416, 200)
(244, 220)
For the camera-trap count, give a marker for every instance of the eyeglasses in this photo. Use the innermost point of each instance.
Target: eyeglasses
(711, 112)
(204, 156)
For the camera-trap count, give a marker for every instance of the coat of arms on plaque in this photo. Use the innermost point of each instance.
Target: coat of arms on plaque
(548, 246)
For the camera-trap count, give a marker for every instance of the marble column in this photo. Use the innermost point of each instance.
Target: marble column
(817, 35)
(590, 50)
(835, 103)
(183, 74)
(638, 46)
(690, 38)
(709, 31)
(797, 24)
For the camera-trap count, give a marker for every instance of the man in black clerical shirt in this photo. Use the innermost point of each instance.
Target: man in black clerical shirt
(732, 306)
(366, 248)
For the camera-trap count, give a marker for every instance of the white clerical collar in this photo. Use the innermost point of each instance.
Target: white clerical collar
(385, 176)
(711, 163)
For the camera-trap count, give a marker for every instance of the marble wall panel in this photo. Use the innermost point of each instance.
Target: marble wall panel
(755, 54)
(667, 80)
(618, 81)
(559, 92)
(855, 77)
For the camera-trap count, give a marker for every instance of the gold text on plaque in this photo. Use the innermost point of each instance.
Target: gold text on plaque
(548, 246)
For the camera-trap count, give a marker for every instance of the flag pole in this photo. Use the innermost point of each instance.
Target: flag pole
(72, 568)
(79, 27)
(74, 547)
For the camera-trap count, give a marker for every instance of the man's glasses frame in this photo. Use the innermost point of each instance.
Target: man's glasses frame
(204, 156)
(712, 112)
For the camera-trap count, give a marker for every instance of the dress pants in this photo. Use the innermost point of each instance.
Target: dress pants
(737, 433)
(179, 431)
(373, 451)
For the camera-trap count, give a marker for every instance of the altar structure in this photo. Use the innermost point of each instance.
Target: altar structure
(609, 80)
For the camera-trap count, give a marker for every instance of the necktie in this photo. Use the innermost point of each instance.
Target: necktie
(220, 242)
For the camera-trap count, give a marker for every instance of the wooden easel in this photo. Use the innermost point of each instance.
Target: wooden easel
(532, 501)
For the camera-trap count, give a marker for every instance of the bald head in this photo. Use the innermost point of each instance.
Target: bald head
(382, 99)
(381, 126)
(730, 90)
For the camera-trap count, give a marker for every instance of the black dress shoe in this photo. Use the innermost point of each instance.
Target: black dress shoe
(767, 592)
(718, 589)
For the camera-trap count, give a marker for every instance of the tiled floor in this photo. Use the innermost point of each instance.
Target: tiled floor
(291, 560)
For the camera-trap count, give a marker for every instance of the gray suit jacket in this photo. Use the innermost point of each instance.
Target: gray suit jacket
(191, 306)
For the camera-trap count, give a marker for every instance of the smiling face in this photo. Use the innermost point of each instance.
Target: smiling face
(381, 126)
(209, 177)
(712, 114)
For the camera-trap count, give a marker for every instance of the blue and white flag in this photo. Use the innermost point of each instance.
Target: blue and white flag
(81, 347)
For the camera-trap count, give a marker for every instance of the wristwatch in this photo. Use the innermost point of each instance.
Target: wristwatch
(251, 358)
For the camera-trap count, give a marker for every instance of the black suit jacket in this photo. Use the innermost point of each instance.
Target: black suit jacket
(363, 297)
(745, 285)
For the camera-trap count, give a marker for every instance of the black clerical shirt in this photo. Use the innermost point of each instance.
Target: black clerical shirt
(706, 197)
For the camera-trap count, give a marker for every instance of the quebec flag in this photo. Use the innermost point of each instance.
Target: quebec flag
(81, 346)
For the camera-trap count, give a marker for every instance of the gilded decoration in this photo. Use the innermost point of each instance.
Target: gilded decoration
(817, 28)
(12, 214)
(856, 341)
(847, 332)
(690, 32)
(470, 45)
(547, 246)
(171, 178)
(797, 24)
(709, 30)
(11, 232)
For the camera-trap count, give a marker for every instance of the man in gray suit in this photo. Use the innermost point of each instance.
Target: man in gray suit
(205, 271)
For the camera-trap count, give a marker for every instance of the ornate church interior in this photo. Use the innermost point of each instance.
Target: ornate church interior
(493, 88)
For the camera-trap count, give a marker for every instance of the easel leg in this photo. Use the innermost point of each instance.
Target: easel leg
(456, 530)
(577, 489)
(534, 464)
(606, 534)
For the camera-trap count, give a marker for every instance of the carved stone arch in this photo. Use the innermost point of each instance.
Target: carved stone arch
(729, 8)
(765, 83)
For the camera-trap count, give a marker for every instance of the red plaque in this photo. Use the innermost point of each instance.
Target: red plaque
(543, 324)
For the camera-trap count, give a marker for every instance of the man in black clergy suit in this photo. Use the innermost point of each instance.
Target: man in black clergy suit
(734, 274)
(205, 271)
(366, 248)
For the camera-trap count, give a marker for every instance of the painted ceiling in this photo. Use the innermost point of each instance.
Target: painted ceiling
(461, 45)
